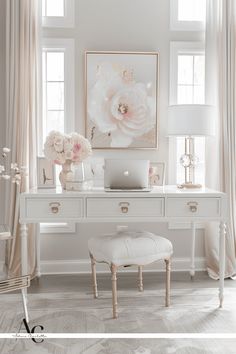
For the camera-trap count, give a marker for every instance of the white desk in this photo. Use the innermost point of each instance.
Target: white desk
(162, 204)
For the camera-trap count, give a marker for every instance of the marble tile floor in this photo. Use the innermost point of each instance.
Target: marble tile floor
(64, 303)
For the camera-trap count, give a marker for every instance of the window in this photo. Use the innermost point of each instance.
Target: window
(53, 90)
(57, 101)
(191, 10)
(53, 8)
(57, 87)
(58, 13)
(57, 82)
(187, 86)
(187, 15)
(191, 78)
(187, 72)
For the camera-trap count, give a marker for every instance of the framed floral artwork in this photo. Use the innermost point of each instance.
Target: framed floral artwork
(121, 99)
(157, 174)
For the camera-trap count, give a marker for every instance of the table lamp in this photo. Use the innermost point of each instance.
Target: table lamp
(189, 121)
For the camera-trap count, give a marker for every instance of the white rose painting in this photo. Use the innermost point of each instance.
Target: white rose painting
(121, 99)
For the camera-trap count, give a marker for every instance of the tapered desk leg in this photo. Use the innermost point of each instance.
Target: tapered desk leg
(192, 265)
(24, 250)
(24, 257)
(24, 299)
(222, 261)
(37, 245)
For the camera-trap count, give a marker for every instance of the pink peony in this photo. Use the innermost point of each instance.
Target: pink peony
(76, 148)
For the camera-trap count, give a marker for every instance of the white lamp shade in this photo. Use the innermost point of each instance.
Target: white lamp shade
(191, 120)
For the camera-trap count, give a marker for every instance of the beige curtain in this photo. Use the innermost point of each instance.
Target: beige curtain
(22, 46)
(221, 149)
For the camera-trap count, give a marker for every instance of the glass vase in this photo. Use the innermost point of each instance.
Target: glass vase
(81, 177)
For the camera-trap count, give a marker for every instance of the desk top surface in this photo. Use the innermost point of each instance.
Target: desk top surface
(166, 190)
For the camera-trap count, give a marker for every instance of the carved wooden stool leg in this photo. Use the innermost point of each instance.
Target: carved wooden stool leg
(168, 263)
(114, 289)
(140, 278)
(93, 267)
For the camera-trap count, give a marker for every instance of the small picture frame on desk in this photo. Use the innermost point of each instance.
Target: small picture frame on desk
(45, 173)
(97, 169)
(157, 174)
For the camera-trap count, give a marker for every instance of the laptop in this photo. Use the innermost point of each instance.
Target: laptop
(126, 175)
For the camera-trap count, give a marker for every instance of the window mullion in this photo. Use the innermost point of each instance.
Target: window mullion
(46, 95)
(193, 89)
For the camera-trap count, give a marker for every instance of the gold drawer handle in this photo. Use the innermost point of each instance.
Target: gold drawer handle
(192, 206)
(54, 207)
(124, 207)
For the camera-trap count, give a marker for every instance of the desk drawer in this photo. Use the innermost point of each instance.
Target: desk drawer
(125, 207)
(199, 207)
(56, 208)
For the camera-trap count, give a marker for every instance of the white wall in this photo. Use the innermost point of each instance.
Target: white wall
(119, 25)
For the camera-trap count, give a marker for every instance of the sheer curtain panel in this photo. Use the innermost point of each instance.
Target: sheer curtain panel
(221, 149)
(22, 50)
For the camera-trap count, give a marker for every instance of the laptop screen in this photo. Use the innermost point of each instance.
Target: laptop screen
(126, 174)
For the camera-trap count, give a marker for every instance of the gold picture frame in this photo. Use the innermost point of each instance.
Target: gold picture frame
(46, 176)
(157, 174)
(121, 95)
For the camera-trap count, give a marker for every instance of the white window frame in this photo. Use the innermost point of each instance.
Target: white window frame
(66, 45)
(176, 25)
(176, 48)
(68, 20)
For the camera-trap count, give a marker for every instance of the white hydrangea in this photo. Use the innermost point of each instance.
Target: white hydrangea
(60, 148)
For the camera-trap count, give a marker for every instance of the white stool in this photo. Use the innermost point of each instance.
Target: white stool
(129, 248)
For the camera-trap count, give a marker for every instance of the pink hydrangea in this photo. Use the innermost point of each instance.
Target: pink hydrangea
(61, 148)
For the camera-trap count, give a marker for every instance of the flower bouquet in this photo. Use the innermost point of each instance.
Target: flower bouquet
(65, 150)
(12, 173)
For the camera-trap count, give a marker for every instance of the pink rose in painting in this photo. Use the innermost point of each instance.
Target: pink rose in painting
(120, 106)
(130, 108)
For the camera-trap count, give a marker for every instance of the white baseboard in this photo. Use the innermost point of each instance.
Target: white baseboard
(185, 225)
(83, 266)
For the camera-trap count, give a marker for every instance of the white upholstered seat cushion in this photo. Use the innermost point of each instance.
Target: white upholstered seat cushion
(130, 247)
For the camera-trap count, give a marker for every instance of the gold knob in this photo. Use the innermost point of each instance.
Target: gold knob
(124, 207)
(192, 206)
(54, 207)
(124, 210)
